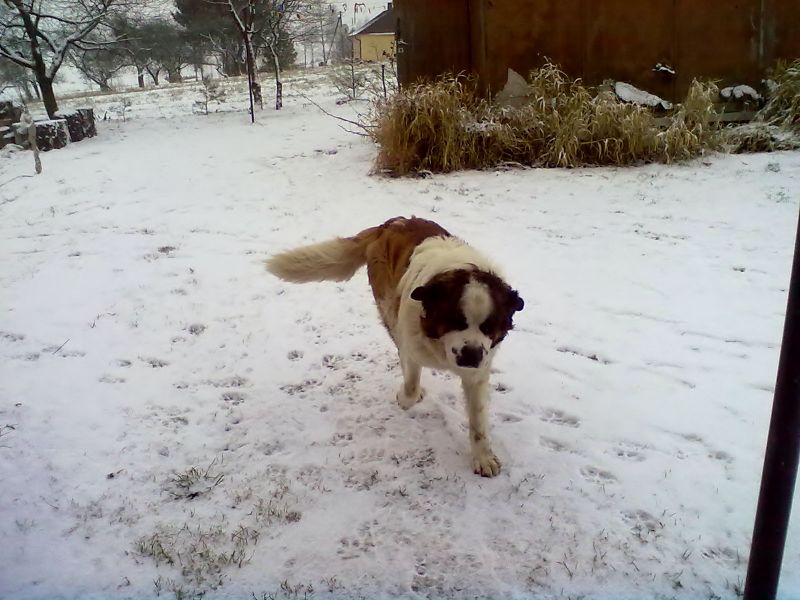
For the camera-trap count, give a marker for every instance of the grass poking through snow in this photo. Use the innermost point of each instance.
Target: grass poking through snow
(195, 554)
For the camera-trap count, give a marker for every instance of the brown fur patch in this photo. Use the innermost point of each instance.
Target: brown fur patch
(441, 299)
(388, 257)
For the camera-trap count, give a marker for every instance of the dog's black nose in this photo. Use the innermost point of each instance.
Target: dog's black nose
(470, 356)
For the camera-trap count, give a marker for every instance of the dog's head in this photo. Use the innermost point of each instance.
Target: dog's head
(469, 312)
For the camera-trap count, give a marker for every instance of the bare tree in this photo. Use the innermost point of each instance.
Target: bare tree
(38, 34)
(244, 14)
(14, 76)
(99, 65)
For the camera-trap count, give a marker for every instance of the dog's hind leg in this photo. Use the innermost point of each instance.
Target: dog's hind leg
(476, 391)
(411, 392)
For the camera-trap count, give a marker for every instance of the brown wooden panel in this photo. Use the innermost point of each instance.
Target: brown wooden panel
(781, 31)
(733, 41)
(433, 38)
(625, 40)
(520, 33)
(718, 40)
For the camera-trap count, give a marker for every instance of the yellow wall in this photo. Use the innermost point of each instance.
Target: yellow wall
(372, 46)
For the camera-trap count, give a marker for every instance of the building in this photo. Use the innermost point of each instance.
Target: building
(659, 46)
(374, 41)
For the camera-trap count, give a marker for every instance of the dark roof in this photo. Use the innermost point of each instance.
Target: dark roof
(383, 23)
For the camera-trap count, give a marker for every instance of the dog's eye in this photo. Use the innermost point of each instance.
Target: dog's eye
(487, 328)
(458, 324)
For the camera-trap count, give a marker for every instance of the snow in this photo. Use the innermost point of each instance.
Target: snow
(630, 93)
(161, 395)
(662, 68)
(738, 92)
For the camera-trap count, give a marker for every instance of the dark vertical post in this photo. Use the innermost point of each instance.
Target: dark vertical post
(782, 455)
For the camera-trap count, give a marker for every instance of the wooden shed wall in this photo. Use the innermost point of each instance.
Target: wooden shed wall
(734, 41)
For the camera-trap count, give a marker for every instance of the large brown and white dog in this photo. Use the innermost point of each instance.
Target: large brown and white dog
(443, 303)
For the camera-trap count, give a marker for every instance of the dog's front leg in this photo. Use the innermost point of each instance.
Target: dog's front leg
(411, 392)
(476, 391)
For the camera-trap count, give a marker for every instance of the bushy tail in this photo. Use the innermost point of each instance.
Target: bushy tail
(334, 260)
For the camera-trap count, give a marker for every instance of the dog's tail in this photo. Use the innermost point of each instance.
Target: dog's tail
(334, 260)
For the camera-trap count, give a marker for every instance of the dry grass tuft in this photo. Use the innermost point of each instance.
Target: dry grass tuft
(446, 126)
(758, 137)
(783, 107)
(430, 127)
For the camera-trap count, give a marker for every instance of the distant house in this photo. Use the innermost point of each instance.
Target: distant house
(374, 41)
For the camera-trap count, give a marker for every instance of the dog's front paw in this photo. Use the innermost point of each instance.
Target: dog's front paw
(406, 401)
(486, 464)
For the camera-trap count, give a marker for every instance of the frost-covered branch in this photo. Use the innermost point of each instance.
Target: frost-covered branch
(38, 35)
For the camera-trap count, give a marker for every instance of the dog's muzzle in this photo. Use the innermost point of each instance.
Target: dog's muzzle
(470, 357)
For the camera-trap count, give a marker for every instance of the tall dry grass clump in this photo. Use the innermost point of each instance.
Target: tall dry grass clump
(446, 125)
(692, 130)
(783, 107)
(566, 124)
(427, 127)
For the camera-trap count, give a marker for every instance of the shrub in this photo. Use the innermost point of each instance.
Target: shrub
(783, 107)
(448, 125)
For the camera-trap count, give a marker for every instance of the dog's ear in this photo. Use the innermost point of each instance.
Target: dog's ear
(427, 293)
(420, 294)
(516, 302)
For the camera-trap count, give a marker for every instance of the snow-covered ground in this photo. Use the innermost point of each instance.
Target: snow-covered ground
(173, 420)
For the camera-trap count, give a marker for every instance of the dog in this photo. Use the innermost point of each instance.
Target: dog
(444, 305)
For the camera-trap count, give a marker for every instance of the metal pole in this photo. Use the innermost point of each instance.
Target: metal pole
(782, 455)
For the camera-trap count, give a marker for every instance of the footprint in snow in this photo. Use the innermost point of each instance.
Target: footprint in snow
(629, 451)
(196, 328)
(559, 417)
(332, 361)
(639, 520)
(554, 445)
(723, 554)
(235, 381)
(156, 363)
(721, 456)
(233, 398)
(11, 337)
(294, 389)
(589, 355)
(509, 418)
(598, 476)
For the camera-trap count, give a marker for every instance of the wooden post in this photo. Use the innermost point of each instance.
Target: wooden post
(782, 456)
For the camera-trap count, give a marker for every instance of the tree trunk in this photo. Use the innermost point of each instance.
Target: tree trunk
(140, 76)
(48, 95)
(322, 37)
(278, 83)
(251, 75)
